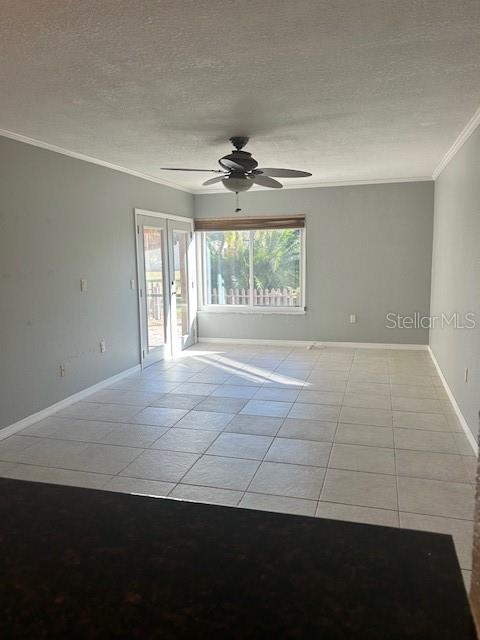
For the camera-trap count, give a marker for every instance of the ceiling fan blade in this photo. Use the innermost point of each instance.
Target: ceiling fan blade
(179, 169)
(265, 181)
(231, 164)
(283, 173)
(214, 180)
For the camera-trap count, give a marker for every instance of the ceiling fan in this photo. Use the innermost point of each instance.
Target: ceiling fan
(239, 170)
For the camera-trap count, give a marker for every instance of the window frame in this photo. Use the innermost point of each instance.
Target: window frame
(250, 308)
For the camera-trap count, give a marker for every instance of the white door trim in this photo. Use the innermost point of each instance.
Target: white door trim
(159, 214)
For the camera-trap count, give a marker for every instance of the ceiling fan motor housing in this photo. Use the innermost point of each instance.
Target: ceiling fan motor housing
(238, 160)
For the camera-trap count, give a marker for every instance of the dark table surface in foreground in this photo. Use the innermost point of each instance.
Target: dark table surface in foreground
(79, 563)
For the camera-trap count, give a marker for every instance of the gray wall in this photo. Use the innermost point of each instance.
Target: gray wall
(61, 220)
(368, 250)
(456, 275)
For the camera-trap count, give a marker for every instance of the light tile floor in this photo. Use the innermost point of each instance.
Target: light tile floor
(366, 435)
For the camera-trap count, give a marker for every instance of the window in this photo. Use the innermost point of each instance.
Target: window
(254, 268)
(227, 267)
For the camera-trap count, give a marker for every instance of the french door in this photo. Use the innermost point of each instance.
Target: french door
(166, 285)
(183, 294)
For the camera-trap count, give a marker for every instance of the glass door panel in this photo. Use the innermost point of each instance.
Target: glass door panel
(180, 251)
(181, 245)
(152, 267)
(154, 283)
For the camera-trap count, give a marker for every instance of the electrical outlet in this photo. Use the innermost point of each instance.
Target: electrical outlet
(353, 318)
(83, 284)
(103, 346)
(466, 375)
(62, 370)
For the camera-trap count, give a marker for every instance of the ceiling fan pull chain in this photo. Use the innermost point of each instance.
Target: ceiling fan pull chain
(237, 202)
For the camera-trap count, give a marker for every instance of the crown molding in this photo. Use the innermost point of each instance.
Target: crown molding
(467, 131)
(464, 135)
(334, 183)
(81, 156)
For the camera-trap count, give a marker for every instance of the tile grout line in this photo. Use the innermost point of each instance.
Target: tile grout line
(262, 460)
(333, 442)
(397, 495)
(326, 470)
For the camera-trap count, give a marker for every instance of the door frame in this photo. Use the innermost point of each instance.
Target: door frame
(138, 257)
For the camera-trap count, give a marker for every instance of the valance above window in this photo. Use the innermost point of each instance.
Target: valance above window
(247, 224)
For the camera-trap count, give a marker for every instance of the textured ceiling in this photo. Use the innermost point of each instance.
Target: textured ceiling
(349, 90)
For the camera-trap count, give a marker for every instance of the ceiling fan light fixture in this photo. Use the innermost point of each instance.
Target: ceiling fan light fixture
(237, 184)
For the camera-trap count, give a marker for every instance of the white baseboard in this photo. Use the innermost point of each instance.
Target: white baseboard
(458, 412)
(45, 413)
(277, 343)
(309, 344)
(373, 345)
